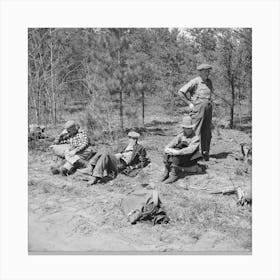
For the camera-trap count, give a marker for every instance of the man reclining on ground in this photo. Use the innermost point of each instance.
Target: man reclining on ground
(182, 151)
(130, 159)
(73, 145)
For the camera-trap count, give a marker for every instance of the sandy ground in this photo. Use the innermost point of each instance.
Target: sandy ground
(65, 215)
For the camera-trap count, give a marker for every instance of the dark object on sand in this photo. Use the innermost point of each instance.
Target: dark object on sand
(144, 205)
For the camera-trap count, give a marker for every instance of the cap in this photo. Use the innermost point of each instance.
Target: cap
(204, 66)
(133, 134)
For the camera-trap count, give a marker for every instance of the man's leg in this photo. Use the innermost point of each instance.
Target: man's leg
(197, 116)
(106, 162)
(167, 164)
(59, 153)
(60, 150)
(173, 169)
(91, 164)
(206, 133)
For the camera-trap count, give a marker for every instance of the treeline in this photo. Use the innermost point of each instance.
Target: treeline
(99, 70)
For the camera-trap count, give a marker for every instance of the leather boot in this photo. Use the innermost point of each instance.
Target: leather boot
(55, 170)
(205, 155)
(165, 174)
(66, 169)
(173, 175)
(94, 181)
(86, 171)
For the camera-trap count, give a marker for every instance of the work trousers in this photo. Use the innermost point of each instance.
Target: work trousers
(181, 160)
(63, 150)
(106, 161)
(202, 118)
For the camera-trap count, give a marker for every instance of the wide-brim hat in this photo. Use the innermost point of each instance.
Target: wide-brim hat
(133, 134)
(187, 122)
(204, 66)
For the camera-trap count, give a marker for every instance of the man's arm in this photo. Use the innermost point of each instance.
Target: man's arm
(187, 91)
(84, 141)
(174, 142)
(194, 144)
(142, 159)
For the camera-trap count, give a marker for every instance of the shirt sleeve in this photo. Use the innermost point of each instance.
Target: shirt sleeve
(194, 144)
(188, 89)
(175, 141)
(83, 141)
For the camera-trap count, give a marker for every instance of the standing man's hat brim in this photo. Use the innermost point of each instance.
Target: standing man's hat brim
(204, 66)
(187, 122)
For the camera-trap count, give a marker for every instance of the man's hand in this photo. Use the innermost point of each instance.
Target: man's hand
(191, 106)
(171, 151)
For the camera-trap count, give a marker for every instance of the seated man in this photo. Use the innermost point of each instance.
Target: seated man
(131, 158)
(73, 145)
(182, 151)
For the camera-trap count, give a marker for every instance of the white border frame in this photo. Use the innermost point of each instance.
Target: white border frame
(17, 16)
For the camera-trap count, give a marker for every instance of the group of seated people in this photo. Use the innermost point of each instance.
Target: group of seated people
(73, 148)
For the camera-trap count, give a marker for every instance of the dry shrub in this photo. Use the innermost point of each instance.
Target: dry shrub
(96, 119)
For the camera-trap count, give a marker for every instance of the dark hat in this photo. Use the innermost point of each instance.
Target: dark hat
(203, 66)
(133, 134)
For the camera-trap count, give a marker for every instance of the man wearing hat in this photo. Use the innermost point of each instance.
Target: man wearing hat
(73, 145)
(197, 93)
(182, 151)
(131, 157)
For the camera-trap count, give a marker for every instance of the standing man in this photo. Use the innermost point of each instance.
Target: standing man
(197, 93)
(182, 151)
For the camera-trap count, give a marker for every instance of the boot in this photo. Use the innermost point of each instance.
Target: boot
(94, 181)
(205, 155)
(66, 169)
(63, 171)
(55, 170)
(55, 167)
(173, 176)
(86, 171)
(165, 174)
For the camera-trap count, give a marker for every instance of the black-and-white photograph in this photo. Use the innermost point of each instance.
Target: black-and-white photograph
(140, 140)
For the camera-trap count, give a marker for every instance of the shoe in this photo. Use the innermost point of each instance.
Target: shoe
(94, 181)
(86, 171)
(64, 171)
(54, 170)
(173, 176)
(165, 174)
(205, 155)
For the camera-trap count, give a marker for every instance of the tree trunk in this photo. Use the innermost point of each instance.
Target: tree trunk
(52, 83)
(121, 111)
(37, 108)
(232, 104)
(121, 94)
(143, 108)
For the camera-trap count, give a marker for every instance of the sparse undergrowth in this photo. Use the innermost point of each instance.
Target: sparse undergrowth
(66, 215)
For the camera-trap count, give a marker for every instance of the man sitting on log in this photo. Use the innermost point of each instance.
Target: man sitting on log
(181, 152)
(73, 145)
(129, 161)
